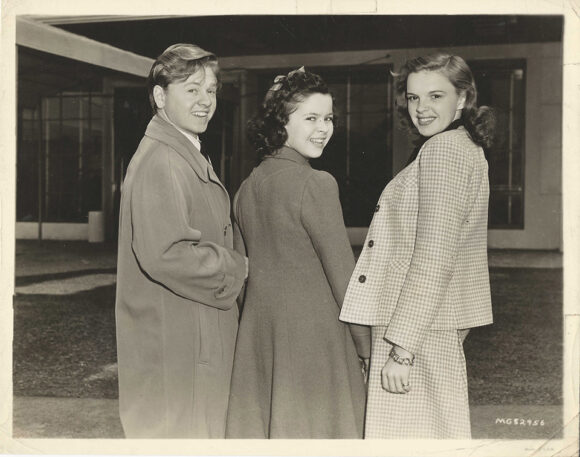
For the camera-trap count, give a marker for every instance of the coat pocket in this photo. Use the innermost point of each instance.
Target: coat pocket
(203, 325)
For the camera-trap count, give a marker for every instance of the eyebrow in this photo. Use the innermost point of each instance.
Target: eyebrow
(430, 92)
(198, 84)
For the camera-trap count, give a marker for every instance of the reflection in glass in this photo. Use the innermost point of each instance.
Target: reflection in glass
(63, 153)
(501, 84)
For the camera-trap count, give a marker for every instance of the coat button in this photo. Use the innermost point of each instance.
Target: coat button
(371, 243)
(362, 278)
(378, 207)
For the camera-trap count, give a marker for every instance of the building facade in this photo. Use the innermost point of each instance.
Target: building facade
(77, 134)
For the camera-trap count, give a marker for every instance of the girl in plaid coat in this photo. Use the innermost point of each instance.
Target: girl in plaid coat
(422, 279)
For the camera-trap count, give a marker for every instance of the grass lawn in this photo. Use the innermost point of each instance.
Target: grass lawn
(518, 359)
(64, 372)
(64, 346)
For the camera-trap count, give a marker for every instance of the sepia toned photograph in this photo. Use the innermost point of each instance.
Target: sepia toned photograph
(281, 226)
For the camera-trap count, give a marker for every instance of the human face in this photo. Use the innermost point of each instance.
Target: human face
(190, 103)
(432, 101)
(310, 126)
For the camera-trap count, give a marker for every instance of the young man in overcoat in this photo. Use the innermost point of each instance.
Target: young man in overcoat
(177, 275)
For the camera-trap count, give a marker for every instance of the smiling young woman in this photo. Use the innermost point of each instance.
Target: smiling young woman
(310, 126)
(432, 102)
(296, 370)
(422, 280)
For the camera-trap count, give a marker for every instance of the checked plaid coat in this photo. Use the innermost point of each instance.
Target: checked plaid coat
(424, 263)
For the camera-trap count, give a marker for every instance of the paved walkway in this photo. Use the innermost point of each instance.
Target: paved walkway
(60, 268)
(58, 262)
(49, 417)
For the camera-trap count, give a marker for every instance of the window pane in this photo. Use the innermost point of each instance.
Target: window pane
(359, 155)
(61, 154)
(29, 113)
(501, 84)
(84, 106)
(96, 107)
(71, 108)
(51, 108)
(92, 167)
(27, 168)
(505, 210)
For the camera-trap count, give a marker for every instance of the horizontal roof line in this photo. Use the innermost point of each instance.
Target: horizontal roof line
(56, 41)
(60, 20)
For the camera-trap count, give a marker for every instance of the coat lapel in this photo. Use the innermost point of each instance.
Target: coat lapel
(160, 130)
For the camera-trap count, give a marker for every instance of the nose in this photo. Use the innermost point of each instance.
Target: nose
(204, 99)
(323, 125)
(422, 106)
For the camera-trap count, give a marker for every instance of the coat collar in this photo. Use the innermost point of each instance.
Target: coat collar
(455, 125)
(288, 153)
(161, 130)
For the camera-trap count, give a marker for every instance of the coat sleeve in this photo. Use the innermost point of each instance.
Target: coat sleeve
(445, 171)
(168, 248)
(322, 218)
(239, 246)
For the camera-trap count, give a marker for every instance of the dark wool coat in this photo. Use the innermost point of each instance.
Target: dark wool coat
(296, 370)
(177, 281)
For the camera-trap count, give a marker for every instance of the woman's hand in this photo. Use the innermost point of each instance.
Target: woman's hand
(395, 376)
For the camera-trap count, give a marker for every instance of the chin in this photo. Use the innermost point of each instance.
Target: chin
(198, 130)
(428, 131)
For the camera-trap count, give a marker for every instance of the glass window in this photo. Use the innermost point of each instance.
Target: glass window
(71, 107)
(28, 160)
(501, 84)
(60, 158)
(96, 106)
(51, 108)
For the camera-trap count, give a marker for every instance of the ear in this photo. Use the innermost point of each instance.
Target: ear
(461, 100)
(159, 96)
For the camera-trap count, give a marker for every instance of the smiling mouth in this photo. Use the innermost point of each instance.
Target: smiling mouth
(425, 120)
(202, 114)
(318, 141)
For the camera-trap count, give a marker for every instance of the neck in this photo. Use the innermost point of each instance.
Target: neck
(165, 117)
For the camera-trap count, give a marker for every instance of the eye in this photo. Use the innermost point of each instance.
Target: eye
(329, 118)
(212, 91)
(311, 118)
(192, 91)
(412, 98)
(436, 96)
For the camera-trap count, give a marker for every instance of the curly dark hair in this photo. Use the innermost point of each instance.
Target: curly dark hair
(266, 130)
(479, 122)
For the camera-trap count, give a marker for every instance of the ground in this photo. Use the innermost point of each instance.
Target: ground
(65, 373)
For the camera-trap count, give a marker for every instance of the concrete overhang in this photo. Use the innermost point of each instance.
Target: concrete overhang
(46, 38)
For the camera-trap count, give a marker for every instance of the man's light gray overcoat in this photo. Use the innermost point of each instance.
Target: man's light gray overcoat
(177, 281)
